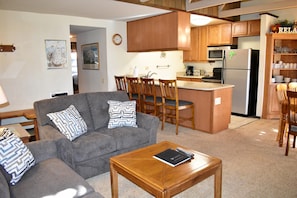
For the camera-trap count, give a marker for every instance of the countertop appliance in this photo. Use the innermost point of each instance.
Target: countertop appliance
(217, 76)
(190, 70)
(241, 68)
(216, 53)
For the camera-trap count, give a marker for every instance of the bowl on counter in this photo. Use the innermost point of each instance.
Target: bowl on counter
(287, 80)
(279, 78)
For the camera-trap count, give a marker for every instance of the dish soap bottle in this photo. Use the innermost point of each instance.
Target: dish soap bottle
(135, 72)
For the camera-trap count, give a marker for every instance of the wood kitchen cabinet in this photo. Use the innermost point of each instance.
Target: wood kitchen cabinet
(246, 28)
(221, 34)
(198, 51)
(169, 31)
(279, 47)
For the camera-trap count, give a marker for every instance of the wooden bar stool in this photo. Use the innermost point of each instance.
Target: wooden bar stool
(172, 105)
(292, 118)
(151, 103)
(281, 91)
(134, 91)
(121, 83)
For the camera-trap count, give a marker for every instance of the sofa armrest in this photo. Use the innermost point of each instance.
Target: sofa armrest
(64, 145)
(150, 123)
(47, 132)
(43, 149)
(4, 187)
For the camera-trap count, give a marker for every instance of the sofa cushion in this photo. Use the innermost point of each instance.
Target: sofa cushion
(99, 107)
(46, 106)
(122, 113)
(69, 122)
(126, 137)
(92, 144)
(15, 157)
(51, 178)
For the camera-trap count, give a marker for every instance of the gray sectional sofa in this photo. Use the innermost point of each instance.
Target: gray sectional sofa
(89, 154)
(50, 177)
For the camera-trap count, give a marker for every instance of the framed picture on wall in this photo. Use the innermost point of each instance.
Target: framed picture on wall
(56, 54)
(90, 53)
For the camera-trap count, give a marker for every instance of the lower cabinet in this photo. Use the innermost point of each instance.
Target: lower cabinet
(271, 109)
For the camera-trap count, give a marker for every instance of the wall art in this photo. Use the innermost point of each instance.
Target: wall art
(90, 54)
(56, 54)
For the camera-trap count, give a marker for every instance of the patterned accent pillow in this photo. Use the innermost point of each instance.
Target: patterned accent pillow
(122, 114)
(15, 158)
(69, 122)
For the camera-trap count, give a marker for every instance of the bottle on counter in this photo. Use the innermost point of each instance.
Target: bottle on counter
(135, 72)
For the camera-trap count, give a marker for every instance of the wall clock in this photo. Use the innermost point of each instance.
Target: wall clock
(117, 39)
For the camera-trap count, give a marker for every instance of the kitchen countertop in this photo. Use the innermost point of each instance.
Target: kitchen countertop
(202, 86)
(185, 76)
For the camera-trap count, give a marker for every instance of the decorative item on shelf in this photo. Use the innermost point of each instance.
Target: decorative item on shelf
(284, 26)
(7, 48)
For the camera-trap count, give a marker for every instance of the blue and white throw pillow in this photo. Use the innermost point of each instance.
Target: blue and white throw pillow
(15, 158)
(122, 113)
(69, 122)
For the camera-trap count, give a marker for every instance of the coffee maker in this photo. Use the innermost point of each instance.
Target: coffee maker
(190, 70)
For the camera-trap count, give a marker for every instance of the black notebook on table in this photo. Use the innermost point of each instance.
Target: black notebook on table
(172, 157)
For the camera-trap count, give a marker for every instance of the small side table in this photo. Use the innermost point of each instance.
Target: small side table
(18, 130)
(32, 116)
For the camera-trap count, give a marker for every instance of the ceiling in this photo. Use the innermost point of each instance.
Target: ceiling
(97, 9)
(121, 10)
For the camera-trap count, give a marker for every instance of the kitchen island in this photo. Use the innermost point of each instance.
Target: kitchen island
(212, 101)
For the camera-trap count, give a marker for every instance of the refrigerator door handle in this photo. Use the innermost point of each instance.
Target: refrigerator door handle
(223, 66)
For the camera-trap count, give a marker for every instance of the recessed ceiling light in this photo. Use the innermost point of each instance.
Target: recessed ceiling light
(199, 20)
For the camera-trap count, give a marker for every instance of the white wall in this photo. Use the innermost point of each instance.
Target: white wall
(24, 75)
(92, 80)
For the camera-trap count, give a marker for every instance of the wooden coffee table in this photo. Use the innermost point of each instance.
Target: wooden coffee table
(160, 179)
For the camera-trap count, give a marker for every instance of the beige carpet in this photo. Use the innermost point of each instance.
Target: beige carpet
(253, 164)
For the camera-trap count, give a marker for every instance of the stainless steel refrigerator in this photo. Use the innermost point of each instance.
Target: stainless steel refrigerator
(241, 68)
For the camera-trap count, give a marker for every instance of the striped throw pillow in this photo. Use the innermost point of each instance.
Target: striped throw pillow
(69, 122)
(122, 113)
(15, 158)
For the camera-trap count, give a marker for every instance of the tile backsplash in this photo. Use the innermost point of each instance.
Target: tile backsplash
(204, 68)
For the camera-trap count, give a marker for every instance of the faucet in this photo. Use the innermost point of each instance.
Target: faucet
(150, 74)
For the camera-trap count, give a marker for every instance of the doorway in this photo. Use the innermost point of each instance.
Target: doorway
(74, 67)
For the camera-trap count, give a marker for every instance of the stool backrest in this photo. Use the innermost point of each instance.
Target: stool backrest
(121, 83)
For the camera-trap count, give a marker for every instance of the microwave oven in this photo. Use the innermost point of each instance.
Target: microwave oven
(216, 53)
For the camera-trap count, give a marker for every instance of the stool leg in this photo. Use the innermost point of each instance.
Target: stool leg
(281, 129)
(287, 148)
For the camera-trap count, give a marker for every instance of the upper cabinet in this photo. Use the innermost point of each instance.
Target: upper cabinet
(164, 32)
(199, 44)
(221, 34)
(246, 28)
